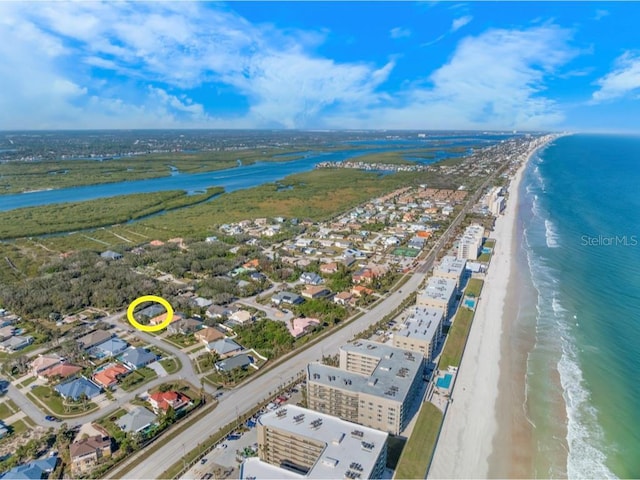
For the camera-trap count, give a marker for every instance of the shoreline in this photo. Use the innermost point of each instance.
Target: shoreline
(466, 446)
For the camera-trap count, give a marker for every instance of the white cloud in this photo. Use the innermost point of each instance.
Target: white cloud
(473, 90)
(458, 23)
(600, 14)
(399, 32)
(621, 81)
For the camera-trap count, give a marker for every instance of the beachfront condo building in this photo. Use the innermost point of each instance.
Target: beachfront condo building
(470, 243)
(295, 442)
(495, 201)
(450, 267)
(439, 293)
(421, 331)
(375, 385)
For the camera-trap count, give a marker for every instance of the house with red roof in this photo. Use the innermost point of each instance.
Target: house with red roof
(109, 377)
(161, 401)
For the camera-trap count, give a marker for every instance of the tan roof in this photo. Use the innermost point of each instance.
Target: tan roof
(209, 334)
(89, 445)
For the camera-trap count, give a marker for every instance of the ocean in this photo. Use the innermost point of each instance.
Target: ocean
(579, 245)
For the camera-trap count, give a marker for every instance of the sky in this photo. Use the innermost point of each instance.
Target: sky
(320, 65)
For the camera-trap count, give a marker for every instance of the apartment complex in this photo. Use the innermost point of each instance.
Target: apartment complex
(375, 385)
(439, 293)
(295, 442)
(471, 242)
(421, 331)
(450, 267)
(495, 201)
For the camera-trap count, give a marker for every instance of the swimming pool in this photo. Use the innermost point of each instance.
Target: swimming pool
(444, 382)
(470, 302)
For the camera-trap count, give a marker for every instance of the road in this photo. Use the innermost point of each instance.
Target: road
(246, 396)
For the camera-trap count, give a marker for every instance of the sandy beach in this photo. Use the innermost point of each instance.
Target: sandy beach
(466, 441)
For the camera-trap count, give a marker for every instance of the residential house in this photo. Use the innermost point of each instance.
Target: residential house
(208, 335)
(202, 302)
(311, 278)
(299, 326)
(94, 338)
(137, 420)
(224, 347)
(363, 275)
(109, 348)
(16, 343)
(359, 291)
(316, 291)
(35, 470)
(219, 311)
(4, 431)
(44, 362)
(109, 377)
(86, 453)
(241, 317)
(61, 371)
(329, 268)
(343, 298)
(150, 311)
(7, 332)
(286, 297)
(110, 255)
(251, 264)
(135, 358)
(162, 317)
(184, 326)
(76, 388)
(161, 401)
(239, 361)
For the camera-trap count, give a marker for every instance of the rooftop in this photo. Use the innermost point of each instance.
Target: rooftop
(448, 265)
(391, 378)
(439, 288)
(422, 323)
(348, 446)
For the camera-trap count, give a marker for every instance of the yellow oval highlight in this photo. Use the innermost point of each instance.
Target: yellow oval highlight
(150, 298)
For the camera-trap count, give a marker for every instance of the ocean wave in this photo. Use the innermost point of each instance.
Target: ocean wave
(585, 460)
(551, 234)
(553, 336)
(538, 177)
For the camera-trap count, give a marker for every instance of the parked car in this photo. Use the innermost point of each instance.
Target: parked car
(203, 461)
(222, 445)
(51, 418)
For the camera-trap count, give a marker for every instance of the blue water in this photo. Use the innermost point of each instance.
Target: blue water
(444, 382)
(232, 179)
(470, 303)
(582, 241)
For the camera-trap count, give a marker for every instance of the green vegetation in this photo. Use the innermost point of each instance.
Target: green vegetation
(418, 451)
(171, 365)
(456, 339)
(269, 338)
(27, 382)
(490, 243)
(21, 176)
(137, 378)
(474, 287)
(64, 217)
(18, 427)
(43, 395)
(484, 257)
(5, 411)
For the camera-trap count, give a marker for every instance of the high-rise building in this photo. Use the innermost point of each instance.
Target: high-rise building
(296, 443)
(375, 385)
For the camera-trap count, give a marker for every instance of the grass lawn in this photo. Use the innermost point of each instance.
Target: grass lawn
(474, 287)
(55, 402)
(27, 382)
(490, 243)
(171, 365)
(418, 451)
(484, 257)
(19, 427)
(181, 340)
(137, 377)
(5, 411)
(456, 339)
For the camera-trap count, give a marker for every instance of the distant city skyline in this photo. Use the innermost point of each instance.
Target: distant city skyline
(336, 65)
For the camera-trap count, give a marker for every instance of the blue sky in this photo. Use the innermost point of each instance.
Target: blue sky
(396, 65)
